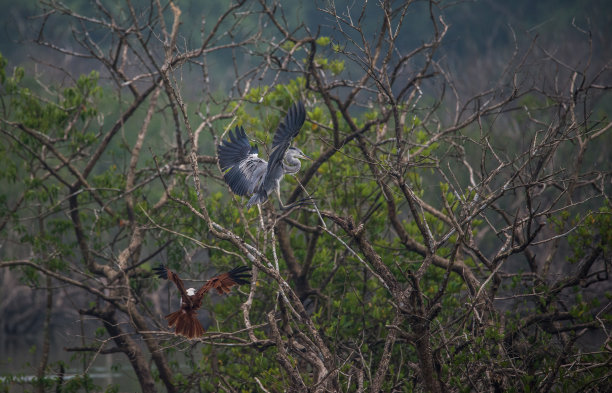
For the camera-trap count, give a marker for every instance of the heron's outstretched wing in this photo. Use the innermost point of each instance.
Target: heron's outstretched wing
(285, 132)
(289, 128)
(223, 282)
(167, 274)
(243, 169)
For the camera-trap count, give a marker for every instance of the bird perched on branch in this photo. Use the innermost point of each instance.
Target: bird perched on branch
(185, 321)
(247, 174)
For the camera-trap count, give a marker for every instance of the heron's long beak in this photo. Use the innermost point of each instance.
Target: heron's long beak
(306, 157)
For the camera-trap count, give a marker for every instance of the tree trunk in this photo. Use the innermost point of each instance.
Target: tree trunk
(44, 358)
(129, 347)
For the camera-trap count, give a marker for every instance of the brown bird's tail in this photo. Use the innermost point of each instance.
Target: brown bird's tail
(185, 323)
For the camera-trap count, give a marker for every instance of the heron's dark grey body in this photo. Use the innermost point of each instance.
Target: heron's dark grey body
(247, 174)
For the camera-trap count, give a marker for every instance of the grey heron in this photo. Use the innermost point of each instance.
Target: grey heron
(247, 174)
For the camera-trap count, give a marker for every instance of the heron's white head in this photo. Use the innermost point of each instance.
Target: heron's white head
(190, 291)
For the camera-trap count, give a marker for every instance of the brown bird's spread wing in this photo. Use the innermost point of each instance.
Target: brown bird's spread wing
(167, 274)
(223, 282)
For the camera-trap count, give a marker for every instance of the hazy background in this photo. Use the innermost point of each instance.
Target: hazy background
(481, 38)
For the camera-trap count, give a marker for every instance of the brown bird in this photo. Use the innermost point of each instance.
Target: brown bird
(185, 321)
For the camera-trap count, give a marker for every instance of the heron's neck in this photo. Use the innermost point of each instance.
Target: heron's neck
(291, 165)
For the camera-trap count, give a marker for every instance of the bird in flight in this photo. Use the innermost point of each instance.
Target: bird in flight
(185, 321)
(247, 174)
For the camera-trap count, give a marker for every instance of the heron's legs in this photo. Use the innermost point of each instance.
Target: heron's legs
(280, 201)
(284, 207)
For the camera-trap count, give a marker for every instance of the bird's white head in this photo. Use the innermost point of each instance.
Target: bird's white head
(190, 291)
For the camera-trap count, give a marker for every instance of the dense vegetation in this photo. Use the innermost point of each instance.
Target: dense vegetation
(460, 230)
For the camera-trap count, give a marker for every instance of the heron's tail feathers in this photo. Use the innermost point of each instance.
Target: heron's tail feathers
(185, 323)
(257, 198)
